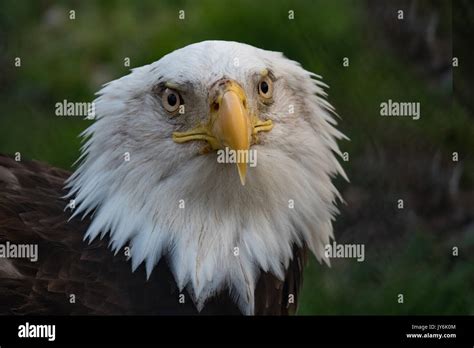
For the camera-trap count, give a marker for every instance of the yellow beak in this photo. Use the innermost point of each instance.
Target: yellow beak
(231, 126)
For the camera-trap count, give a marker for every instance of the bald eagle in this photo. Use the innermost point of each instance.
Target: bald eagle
(158, 224)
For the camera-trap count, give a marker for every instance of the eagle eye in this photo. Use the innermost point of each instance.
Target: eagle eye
(171, 100)
(265, 88)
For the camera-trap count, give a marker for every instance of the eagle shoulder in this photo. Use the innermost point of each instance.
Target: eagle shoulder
(281, 297)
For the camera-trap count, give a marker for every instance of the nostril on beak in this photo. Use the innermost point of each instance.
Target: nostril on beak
(215, 106)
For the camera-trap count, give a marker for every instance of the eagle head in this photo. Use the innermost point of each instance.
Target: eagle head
(165, 167)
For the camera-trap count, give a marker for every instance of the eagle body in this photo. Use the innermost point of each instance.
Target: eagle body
(157, 224)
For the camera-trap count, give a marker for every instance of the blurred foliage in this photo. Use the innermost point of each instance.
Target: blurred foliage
(431, 282)
(70, 59)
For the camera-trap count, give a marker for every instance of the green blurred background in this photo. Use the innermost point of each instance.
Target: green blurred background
(408, 251)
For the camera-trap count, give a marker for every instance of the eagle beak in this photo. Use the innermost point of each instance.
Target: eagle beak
(231, 126)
